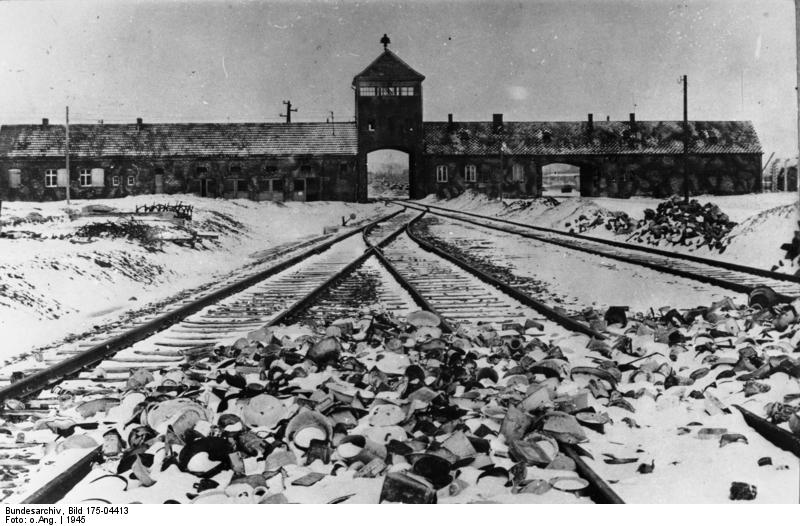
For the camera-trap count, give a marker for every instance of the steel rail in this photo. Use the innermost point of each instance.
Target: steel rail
(778, 436)
(601, 492)
(515, 293)
(688, 274)
(618, 244)
(56, 488)
(411, 289)
(95, 354)
(59, 486)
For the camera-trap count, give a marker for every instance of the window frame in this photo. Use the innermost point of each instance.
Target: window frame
(53, 174)
(471, 173)
(131, 180)
(85, 177)
(441, 173)
(407, 91)
(115, 180)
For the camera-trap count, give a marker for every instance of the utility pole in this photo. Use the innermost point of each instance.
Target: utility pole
(333, 123)
(685, 141)
(797, 89)
(289, 111)
(66, 148)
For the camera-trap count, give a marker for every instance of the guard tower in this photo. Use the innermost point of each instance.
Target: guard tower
(389, 115)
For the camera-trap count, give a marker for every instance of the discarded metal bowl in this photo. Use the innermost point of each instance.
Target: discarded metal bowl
(574, 485)
(594, 421)
(358, 448)
(487, 373)
(762, 297)
(308, 425)
(433, 468)
(534, 449)
(407, 489)
(423, 318)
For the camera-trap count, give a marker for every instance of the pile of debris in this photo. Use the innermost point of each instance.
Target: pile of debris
(585, 223)
(379, 409)
(676, 222)
(130, 229)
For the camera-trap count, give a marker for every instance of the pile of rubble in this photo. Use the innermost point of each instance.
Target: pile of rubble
(379, 409)
(676, 222)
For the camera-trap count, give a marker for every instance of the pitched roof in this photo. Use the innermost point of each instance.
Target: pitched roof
(573, 138)
(388, 66)
(163, 140)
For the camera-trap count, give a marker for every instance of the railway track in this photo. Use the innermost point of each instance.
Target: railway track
(388, 264)
(738, 278)
(734, 277)
(316, 288)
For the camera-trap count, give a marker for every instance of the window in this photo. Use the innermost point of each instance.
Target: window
(276, 185)
(299, 185)
(98, 177)
(14, 178)
(407, 91)
(85, 177)
(367, 91)
(115, 180)
(202, 171)
(441, 174)
(470, 173)
(50, 178)
(517, 173)
(371, 126)
(131, 179)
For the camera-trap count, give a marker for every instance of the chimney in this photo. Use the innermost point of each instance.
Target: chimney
(497, 122)
(138, 121)
(608, 118)
(633, 119)
(590, 124)
(45, 122)
(450, 125)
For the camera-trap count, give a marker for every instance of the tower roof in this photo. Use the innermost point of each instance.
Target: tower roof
(387, 67)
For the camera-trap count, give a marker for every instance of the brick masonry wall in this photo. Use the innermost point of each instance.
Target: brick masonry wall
(614, 176)
(330, 177)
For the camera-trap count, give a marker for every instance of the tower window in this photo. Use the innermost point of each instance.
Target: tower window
(470, 173)
(407, 91)
(371, 126)
(367, 91)
(441, 174)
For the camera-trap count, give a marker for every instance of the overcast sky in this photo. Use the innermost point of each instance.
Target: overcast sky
(532, 60)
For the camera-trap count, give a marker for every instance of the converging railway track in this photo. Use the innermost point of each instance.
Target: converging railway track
(384, 262)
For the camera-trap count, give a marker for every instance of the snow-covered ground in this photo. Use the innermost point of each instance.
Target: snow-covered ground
(765, 221)
(58, 284)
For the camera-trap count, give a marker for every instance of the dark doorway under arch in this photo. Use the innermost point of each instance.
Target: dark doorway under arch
(561, 179)
(388, 174)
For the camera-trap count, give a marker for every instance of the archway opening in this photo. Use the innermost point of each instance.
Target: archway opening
(388, 174)
(561, 179)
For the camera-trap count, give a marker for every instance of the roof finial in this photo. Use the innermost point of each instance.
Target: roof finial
(385, 41)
